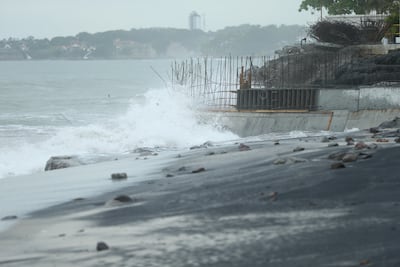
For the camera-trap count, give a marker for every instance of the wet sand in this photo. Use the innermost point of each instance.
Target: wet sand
(261, 205)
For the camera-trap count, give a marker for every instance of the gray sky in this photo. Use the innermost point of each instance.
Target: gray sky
(49, 18)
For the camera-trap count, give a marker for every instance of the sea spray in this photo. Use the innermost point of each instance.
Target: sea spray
(159, 118)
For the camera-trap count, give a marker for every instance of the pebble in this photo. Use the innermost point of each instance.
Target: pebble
(298, 149)
(243, 147)
(119, 176)
(101, 246)
(9, 218)
(199, 170)
(337, 165)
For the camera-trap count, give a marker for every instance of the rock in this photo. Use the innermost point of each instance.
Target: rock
(395, 123)
(276, 143)
(349, 139)
(169, 175)
(119, 176)
(61, 162)
(337, 165)
(298, 149)
(210, 154)
(350, 157)
(243, 147)
(351, 143)
(364, 156)
(360, 145)
(182, 169)
(382, 140)
(9, 218)
(289, 160)
(199, 170)
(101, 246)
(280, 161)
(123, 199)
(397, 140)
(374, 130)
(365, 262)
(333, 144)
(273, 196)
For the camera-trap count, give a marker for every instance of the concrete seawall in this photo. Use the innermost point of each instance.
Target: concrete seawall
(256, 123)
(337, 110)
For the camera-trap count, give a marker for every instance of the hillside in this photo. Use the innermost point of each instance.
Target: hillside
(154, 43)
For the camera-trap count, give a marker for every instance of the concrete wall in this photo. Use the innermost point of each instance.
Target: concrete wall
(339, 109)
(363, 98)
(253, 124)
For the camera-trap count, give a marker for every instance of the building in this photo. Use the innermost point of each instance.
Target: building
(194, 21)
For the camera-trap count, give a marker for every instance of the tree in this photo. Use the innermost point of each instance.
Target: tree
(339, 7)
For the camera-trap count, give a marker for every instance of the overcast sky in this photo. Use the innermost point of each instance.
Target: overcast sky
(49, 18)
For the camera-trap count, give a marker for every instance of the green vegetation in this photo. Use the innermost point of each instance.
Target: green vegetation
(339, 7)
(155, 43)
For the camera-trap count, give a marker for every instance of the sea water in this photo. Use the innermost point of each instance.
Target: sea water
(92, 109)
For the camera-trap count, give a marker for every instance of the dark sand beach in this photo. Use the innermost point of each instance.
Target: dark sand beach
(258, 204)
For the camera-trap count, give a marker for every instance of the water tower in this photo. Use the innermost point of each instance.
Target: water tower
(194, 21)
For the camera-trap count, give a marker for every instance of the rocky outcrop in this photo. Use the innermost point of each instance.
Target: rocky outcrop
(61, 162)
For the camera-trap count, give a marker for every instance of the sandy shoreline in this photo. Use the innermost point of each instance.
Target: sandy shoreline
(248, 207)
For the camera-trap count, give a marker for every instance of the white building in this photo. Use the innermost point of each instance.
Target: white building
(194, 21)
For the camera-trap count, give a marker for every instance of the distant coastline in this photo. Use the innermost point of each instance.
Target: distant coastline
(154, 43)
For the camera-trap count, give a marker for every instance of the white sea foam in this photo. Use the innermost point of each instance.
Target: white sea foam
(164, 118)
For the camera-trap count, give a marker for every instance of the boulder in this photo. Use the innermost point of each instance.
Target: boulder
(61, 162)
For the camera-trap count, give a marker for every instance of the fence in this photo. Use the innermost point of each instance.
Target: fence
(285, 82)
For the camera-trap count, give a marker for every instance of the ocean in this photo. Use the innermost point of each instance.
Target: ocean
(94, 110)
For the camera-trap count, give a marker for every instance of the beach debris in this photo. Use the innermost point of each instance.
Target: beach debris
(350, 157)
(333, 144)
(276, 142)
(199, 170)
(101, 246)
(9, 218)
(397, 140)
(62, 162)
(119, 176)
(169, 175)
(360, 145)
(243, 147)
(123, 199)
(298, 149)
(62, 235)
(337, 165)
(210, 154)
(182, 169)
(78, 199)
